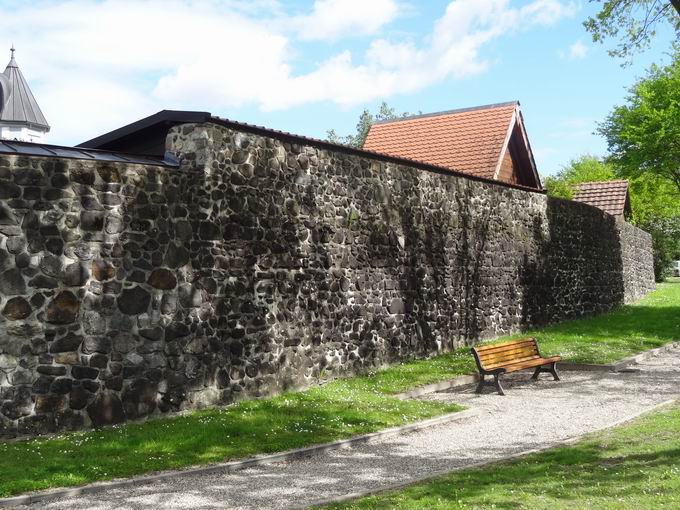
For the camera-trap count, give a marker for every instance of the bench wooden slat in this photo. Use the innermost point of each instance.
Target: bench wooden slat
(506, 361)
(521, 348)
(496, 347)
(503, 344)
(538, 362)
(509, 353)
(511, 361)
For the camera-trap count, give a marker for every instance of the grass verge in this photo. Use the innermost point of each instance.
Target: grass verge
(630, 467)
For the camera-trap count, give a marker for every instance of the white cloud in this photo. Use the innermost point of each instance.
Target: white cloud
(331, 19)
(576, 51)
(547, 12)
(95, 65)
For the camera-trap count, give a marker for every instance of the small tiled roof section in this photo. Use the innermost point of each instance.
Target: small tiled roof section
(469, 140)
(610, 196)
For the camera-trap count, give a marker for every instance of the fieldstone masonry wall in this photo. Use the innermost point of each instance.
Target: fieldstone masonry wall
(638, 261)
(261, 265)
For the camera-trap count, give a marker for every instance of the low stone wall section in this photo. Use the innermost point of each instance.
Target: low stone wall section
(638, 261)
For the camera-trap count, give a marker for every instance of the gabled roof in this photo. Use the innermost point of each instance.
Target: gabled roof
(610, 196)
(17, 102)
(470, 140)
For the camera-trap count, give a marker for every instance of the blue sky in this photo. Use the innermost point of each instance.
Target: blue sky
(307, 66)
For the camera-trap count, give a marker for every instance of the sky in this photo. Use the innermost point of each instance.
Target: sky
(306, 66)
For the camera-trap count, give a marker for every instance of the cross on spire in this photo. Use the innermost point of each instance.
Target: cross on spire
(12, 50)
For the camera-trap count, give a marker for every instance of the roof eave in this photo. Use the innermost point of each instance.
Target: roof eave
(21, 123)
(171, 117)
(525, 138)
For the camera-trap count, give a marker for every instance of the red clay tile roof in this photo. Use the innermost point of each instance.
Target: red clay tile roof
(610, 196)
(468, 140)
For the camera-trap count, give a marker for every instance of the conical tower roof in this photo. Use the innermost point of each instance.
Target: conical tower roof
(17, 104)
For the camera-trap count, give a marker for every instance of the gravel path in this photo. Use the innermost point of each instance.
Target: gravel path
(531, 415)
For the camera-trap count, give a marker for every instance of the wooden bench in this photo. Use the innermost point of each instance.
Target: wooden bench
(509, 357)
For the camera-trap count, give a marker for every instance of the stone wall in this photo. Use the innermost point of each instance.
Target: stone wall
(638, 261)
(260, 265)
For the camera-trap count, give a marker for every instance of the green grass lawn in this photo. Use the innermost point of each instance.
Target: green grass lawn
(339, 409)
(633, 467)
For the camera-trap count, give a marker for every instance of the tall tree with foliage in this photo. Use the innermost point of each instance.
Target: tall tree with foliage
(586, 168)
(643, 135)
(366, 120)
(632, 22)
(655, 202)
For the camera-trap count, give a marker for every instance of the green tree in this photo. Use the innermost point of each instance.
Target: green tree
(655, 202)
(643, 135)
(632, 22)
(366, 120)
(586, 168)
(665, 244)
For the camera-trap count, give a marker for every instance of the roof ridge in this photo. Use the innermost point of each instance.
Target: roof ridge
(448, 112)
(613, 181)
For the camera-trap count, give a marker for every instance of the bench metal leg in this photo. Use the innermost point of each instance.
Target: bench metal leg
(497, 382)
(552, 369)
(480, 384)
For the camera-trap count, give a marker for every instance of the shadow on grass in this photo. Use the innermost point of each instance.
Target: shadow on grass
(564, 477)
(632, 467)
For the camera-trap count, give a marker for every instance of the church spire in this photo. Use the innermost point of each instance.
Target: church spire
(20, 116)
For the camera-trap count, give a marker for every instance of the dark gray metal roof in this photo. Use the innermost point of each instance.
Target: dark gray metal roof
(55, 151)
(18, 104)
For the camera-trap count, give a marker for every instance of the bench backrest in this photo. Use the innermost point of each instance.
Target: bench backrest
(497, 355)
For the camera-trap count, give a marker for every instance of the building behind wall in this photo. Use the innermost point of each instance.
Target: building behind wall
(20, 116)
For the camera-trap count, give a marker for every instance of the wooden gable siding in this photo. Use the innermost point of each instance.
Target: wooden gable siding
(516, 166)
(507, 172)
